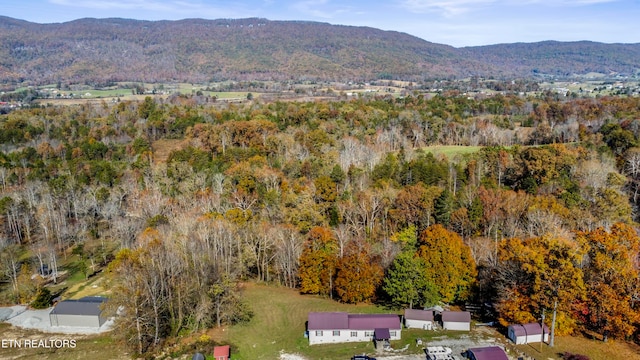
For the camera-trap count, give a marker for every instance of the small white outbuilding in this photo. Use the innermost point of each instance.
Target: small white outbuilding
(527, 333)
(418, 319)
(456, 320)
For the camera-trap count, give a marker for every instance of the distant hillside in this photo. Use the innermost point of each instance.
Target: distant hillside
(559, 58)
(98, 51)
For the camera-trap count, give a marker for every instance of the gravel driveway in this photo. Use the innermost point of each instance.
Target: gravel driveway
(25, 318)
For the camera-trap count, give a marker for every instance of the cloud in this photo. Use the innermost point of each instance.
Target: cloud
(445, 7)
(323, 9)
(568, 2)
(170, 7)
(455, 7)
(117, 5)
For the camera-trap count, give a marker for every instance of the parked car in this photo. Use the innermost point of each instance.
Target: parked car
(362, 357)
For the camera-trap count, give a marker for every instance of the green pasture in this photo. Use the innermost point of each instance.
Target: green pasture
(279, 321)
(451, 151)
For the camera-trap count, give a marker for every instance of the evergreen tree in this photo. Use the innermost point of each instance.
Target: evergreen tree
(405, 283)
(443, 208)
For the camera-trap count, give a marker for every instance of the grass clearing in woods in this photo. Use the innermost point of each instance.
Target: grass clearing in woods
(279, 322)
(162, 148)
(280, 316)
(451, 151)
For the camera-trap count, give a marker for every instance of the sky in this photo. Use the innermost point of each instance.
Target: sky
(453, 22)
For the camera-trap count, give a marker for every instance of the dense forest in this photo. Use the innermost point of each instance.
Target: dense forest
(102, 51)
(179, 200)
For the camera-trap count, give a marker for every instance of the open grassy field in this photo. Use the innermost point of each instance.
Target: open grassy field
(451, 151)
(595, 349)
(278, 326)
(91, 287)
(162, 148)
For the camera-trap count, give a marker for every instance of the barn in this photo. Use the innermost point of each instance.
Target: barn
(527, 333)
(456, 320)
(418, 319)
(85, 312)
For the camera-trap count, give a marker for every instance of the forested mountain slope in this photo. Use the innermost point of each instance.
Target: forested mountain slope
(560, 58)
(195, 50)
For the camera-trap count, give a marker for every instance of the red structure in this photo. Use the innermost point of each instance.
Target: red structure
(221, 352)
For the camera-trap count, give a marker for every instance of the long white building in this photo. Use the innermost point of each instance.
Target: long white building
(341, 327)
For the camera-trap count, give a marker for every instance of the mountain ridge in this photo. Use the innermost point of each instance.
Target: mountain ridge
(198, 50)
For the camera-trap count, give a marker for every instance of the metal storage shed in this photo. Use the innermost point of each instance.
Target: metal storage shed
(85, 312)
(527, 333)
(456, 320)
(418, 319)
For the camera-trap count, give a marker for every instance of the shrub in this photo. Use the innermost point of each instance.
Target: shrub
(43, 299)
(570, 356)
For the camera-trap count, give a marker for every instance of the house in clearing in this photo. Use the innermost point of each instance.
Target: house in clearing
(418, 319)
(527, 333)
(85, 312)
(340, 327)
(487, 353)
(456, 320)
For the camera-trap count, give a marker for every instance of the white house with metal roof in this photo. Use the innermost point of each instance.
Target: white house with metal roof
(341, 327)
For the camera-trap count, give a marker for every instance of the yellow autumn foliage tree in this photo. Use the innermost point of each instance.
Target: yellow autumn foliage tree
(533, 274)
(449, 264)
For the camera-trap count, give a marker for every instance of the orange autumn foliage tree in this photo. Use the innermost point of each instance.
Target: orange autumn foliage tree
(448, 262)
(532, 274)
(612, 279)
(357, 275)
(318, 262)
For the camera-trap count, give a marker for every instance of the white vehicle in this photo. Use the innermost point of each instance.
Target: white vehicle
(439, 353)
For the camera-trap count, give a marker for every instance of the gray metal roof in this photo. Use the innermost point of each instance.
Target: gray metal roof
(415, 314)
(86, 306)
(456, 316)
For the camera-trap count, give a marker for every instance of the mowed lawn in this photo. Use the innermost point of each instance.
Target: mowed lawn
(594, 349)
(278, 325)
(280, 316)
